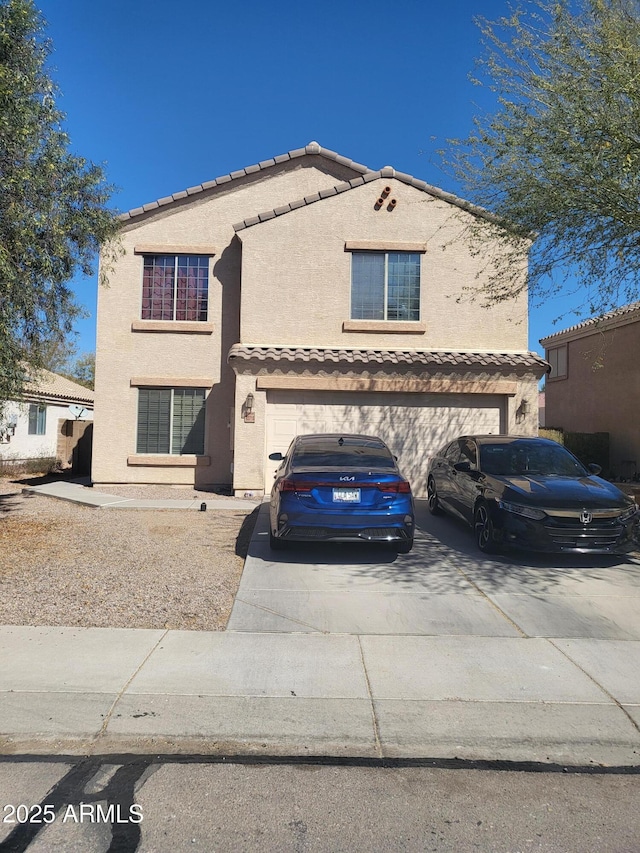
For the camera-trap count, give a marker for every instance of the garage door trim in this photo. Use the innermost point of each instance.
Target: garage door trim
(420, 386)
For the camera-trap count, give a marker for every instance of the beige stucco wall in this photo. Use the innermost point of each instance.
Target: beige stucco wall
(297, 263)
(205, 219)
(250, 438)
(602, 390)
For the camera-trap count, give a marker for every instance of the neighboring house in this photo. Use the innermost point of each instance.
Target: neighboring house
(594, 383)
(30, 427)
(542, 414)
(306, 293)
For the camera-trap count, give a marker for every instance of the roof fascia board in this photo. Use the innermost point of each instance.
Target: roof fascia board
(591, 327)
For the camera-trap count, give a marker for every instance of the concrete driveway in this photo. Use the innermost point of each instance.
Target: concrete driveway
(444, 587)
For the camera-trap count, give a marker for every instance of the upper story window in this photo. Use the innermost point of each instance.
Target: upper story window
(385, 286)
(175, 287)
(557, 358)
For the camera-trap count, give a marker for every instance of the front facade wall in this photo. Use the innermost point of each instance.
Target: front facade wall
(125, 352)
(311, 407)
(300, 264)
(286, 281)
(601, 392)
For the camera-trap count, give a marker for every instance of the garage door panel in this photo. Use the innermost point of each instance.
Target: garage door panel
(414, 426)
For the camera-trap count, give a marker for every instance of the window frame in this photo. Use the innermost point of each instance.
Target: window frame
(147, 256)
(554, 362)
(40, 419)
(172, 414)
(385, 253)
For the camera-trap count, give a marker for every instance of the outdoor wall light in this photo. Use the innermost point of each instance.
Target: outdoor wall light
(247, 410)
(522, 411)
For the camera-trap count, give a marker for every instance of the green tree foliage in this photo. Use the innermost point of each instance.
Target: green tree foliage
(558, 161)
(83, 370)
(53, 214)
(61, 356)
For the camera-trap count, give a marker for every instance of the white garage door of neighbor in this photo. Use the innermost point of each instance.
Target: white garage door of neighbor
(414, 426)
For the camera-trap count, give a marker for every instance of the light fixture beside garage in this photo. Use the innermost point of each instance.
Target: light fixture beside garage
(522, 411)
(248, 414)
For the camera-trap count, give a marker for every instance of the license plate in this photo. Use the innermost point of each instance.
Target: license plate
(346, 495)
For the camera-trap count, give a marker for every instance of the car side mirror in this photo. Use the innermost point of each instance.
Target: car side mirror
(594, 468)
(276, 457)
(463, 467)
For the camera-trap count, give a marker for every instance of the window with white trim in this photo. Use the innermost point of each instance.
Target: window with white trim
(171, 420)
(557, 358)
(385, 286)
(175, 287)
(37, 419)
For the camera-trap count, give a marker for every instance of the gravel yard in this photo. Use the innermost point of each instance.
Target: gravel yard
(70, 565)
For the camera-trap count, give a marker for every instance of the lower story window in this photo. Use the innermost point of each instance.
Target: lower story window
(37, 419)
(171, 420)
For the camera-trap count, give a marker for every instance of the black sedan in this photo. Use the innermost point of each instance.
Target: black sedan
(530, 493)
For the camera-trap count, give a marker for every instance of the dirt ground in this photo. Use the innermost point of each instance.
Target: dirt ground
(70, 565)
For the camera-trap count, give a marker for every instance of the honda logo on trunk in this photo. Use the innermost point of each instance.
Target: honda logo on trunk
(586, 517)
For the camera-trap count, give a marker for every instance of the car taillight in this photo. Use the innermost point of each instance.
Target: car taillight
(294, 486)
(402, 488)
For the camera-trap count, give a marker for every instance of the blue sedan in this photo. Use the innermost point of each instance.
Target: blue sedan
(340, 488)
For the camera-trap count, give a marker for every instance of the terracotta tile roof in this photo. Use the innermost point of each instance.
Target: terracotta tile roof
(610, 318)
(311, 148)
(386, 172)
(53, 386)
(425, 358)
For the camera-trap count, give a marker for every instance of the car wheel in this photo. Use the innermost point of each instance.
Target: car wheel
(404, 547)
(276, 544)
(432, 498)
(484, 530)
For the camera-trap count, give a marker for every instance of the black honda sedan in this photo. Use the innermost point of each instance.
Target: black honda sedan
(530, 493)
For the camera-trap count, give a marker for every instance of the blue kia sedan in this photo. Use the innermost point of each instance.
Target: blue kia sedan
(340, 488)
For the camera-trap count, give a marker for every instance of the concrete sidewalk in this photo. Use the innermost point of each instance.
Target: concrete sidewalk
(296, 690)
(94, 690)
(81, 494)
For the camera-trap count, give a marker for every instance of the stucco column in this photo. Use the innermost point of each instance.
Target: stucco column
(249, 438)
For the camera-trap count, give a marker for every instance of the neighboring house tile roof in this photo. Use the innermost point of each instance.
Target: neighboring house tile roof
(386, 172)
(425, 358)
(311, 148)
(611, 318)
(50, 385)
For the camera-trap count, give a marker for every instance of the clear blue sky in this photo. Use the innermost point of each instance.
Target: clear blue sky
(171, 94)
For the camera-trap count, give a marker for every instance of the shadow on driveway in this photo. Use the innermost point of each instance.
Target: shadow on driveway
(444, 559)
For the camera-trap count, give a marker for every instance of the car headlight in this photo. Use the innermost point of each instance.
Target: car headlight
(628, 513)
(518, 509)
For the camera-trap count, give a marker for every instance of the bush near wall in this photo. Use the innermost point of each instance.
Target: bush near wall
(12, 467)
(587, 446)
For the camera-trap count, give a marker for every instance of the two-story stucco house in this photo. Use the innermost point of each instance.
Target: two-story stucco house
(306, 293)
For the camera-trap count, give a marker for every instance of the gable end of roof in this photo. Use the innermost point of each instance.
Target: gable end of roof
(385, 172)
(313, 148)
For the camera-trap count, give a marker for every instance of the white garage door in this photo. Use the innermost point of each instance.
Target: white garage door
(414, 426)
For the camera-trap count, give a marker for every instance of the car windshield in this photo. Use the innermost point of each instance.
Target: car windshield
(323, 454)
(529, 458)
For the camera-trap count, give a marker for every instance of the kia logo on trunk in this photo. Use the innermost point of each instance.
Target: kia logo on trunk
(347, 479)
(586, 517)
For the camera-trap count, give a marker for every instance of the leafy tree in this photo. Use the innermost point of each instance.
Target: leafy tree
(53, 214)
(83, 370)
(558, 161)
(61, 356)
